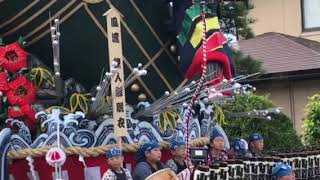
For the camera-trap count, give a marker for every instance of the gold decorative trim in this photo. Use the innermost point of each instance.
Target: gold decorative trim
(48, 21)
(19, 14)
(35, 15)
(92, 1)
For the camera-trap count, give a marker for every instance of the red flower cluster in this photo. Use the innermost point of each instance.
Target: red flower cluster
(20, 92)
(13, 57)
(24, 112)
(3, 82)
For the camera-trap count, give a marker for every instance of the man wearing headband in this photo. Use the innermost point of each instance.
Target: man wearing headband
(256, 144)
(217, 153)
(282, 172)
(148, 159)
(178, 162)
(116, 172)
(238, 149)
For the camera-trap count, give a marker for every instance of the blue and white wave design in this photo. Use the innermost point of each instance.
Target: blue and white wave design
(74, 131)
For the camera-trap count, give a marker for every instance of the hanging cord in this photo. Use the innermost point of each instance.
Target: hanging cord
(202, 79)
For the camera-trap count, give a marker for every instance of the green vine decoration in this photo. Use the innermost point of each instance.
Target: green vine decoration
(219, 114)
(79, 101)
(40, 75)
(168, 120)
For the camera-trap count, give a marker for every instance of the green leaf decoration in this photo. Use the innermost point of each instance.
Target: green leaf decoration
(74, 102)
(4, 99)
(23, 71)
(21, 42)
(3, 116)
(16, 108)
(40, 75)
(168, 120)
(1, 42)
(218, 114)
(83, 102)
(83, 105)
(79, 101)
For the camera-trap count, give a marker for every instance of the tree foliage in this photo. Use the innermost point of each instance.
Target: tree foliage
(312, 121)
(234, 18)
(278, 132)
(245, 64)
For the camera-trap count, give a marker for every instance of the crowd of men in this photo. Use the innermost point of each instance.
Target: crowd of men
(149, 155)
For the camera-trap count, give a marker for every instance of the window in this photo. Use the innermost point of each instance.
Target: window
(310, 15)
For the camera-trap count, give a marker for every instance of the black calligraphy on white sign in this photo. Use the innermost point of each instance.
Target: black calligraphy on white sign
(114, 22)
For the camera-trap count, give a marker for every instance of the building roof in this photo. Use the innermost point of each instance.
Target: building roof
(282, 53)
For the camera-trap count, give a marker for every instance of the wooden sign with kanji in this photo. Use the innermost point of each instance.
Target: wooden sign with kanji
(117, 82)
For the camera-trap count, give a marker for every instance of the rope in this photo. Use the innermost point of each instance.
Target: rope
(202, 79)
(91, 152)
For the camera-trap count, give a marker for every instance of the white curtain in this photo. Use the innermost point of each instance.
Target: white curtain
(311, 13)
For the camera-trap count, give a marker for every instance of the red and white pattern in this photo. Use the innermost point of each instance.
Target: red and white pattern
(72, 168)
(201, 81)
(55, 156)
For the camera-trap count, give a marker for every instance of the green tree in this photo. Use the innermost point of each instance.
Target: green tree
(278, 132)
(245, 64)
(234, 18)
(312, 121)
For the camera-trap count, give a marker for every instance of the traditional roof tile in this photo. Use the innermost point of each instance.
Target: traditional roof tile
(282, 53)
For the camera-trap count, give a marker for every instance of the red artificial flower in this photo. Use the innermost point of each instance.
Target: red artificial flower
(13, 57)
(28, 112)
(24, 113)
(3, 82)
(21, 92)
(14, 112)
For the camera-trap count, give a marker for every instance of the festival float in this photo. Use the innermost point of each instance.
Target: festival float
(55, 129)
